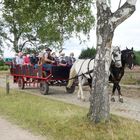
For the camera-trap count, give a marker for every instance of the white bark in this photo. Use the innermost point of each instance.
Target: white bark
(125, 11)
(106, 24)
(132, 2)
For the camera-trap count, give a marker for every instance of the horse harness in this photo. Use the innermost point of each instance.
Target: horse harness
(83, 74)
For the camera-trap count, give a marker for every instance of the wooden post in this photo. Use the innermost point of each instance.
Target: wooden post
(7, 84)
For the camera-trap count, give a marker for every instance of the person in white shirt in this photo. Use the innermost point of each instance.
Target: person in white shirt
(19, 59)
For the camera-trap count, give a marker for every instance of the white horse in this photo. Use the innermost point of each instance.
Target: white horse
(83, 70)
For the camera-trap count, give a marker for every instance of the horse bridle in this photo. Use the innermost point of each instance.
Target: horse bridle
(127, 54)
(83, 74)
(113, 59)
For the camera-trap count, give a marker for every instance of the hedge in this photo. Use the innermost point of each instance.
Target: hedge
(5, 67)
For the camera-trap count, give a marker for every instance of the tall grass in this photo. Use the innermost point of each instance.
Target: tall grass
(60, 121)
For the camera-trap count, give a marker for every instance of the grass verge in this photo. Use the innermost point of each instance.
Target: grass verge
(61, 121)
(4, 72)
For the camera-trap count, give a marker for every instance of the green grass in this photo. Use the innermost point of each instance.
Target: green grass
(61, 121)
(131, 78)
(4, 72)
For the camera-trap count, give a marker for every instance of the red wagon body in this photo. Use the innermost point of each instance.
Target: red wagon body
(27, 75)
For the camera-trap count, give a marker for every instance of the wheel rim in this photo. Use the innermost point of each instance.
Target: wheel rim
(21, 83)
(71, 89)
(44, 88)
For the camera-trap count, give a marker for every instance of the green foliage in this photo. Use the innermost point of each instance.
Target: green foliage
(2, 62)
(87, 53)
(49, 22)
(3, 68)
(137, 58)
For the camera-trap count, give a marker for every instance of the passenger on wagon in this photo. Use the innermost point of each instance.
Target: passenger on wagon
(19, 62)
(41, 60)
(19, 59)
(71, 59)
(55, 57)
(34, 59)
(62, 60)
(15, 59)
(26, 60)
(48, 59)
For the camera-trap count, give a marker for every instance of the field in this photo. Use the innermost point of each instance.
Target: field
(63, 121)
(58, 120)
(131, 77)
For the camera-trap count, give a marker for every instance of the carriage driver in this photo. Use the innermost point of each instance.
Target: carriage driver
(48, 59)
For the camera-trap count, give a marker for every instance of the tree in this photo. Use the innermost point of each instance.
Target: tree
(60, 19)
(52, 22)
(87, 53)
(16, 28)
(137, 58)
(106, 24)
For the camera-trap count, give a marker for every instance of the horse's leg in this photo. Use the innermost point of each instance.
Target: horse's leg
(71, 77)
(119, 93)
(81, 96)
(113, 91)
(81, 83)
(78, 93)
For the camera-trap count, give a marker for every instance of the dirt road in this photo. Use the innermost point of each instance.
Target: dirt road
(129, 109)
(9, 131)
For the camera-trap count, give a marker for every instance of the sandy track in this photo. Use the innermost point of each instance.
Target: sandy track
(129, 109)
(9, 131)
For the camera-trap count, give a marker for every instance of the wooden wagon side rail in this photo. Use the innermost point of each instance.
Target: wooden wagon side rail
(27, 75)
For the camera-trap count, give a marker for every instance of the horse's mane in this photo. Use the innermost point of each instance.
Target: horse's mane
(127, 51)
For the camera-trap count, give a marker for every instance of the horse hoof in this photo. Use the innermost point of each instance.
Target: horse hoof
(113, 99)
(121, 100)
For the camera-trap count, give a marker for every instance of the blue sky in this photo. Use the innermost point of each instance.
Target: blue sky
(126, 34)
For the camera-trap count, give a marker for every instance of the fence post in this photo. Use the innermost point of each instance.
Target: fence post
(7, 84)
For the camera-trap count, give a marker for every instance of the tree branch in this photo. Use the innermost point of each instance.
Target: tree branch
(119, 3)
(5, 37)
(125, 11)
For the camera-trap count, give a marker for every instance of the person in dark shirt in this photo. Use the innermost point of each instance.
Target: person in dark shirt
(34, 59)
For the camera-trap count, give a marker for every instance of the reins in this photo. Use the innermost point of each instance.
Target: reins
(88, 72)
(88, 67)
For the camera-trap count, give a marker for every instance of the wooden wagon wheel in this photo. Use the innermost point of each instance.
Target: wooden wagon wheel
(71, 89)
(21, 83)
(44, 88)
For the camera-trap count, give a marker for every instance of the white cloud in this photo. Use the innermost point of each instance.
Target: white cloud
(126, 34)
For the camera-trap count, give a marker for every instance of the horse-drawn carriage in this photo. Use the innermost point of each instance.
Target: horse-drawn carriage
(27, 75)
(81, 70)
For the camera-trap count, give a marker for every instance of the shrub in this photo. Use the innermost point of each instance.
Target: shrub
(87, 53)
(4, 68)
(137, 58)
(2, 62)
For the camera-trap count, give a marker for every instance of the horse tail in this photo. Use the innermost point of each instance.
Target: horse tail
(72, 77)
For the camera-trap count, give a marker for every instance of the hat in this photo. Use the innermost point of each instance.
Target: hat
(48, 49)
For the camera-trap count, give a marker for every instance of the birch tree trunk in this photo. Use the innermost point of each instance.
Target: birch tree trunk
(106, 24)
